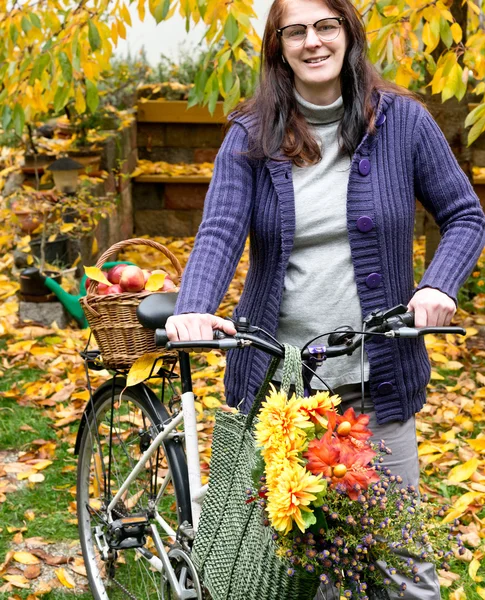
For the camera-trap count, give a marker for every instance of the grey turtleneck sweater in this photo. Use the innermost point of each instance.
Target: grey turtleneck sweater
(320, 292)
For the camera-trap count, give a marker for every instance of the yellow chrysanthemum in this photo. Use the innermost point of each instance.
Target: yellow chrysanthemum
(280, 422)
(277, 460)
(314, 407)
(292, 495)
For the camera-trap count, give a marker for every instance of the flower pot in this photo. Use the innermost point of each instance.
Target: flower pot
(56, 252)
(28, 220)
(90, 159)
(39, 162)
(32, 282)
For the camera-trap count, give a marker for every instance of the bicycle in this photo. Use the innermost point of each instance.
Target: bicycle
(139, 491)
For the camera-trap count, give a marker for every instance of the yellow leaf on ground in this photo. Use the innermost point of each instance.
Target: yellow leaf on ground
(464, 471)
(141, 368)
(42, 464)
(211, 402)
(25, 558)
(36, 478)
(472, 570)
(17, 580)
(155, 282)
(96, 275)
(437, 357)
(460, 506)
(65, 578)
(453, 365)
(214, 360)
(435, 375)
(481, 592)
(458, 594)
(478, 444)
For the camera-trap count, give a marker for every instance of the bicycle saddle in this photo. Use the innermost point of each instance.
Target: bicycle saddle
(154, 310)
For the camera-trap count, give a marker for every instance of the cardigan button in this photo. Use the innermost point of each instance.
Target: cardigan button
(381, 120)
(364, 167)
(365, 224)
(385, 388)
(373, 280)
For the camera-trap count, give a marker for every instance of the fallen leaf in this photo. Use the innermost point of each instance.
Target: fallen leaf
(65, 578)
(17, 581)
(25, 558)
(463, 472)
(472, 570)
(32, 571)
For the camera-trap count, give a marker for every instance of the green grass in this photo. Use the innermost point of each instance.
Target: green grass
(49, 499)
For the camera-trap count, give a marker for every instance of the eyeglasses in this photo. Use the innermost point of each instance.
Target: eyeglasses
(327, 30)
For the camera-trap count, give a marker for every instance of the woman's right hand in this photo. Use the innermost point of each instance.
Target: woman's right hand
(196, 326)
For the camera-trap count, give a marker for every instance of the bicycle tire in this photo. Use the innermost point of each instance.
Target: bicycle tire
(135, 419)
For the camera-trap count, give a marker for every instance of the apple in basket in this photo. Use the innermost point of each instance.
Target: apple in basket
(114, 289)
(102, 289)
(132, 279)
(114, 274)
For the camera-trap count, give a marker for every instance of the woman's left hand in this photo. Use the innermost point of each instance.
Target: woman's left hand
(431, 308)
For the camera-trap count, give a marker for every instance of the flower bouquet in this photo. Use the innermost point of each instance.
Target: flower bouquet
(335, 508)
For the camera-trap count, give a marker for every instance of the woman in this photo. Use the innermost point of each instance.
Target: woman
(322, 169)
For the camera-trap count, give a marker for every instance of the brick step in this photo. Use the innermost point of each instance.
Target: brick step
(176, 111)
(154, 178)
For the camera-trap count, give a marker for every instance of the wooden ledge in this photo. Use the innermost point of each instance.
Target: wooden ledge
(172, 179)
(479, 180)
(175, 111)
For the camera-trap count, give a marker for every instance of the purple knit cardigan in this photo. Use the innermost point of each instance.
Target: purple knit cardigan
(407, 158)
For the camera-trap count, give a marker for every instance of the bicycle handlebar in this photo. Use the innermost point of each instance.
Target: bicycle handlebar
(393, 323)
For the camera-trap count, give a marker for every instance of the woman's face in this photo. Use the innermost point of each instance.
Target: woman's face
(318, 82)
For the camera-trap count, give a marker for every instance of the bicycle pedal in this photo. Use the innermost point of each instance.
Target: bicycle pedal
(127, 532)
(133, 520)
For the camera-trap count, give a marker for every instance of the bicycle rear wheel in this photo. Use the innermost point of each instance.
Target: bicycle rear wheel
(117, 430)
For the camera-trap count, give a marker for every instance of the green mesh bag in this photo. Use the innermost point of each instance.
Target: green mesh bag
(233, 550)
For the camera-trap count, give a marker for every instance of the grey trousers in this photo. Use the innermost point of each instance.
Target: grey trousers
(401, 438)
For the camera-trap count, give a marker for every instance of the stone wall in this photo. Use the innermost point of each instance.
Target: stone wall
(119, 159)
(173, 208)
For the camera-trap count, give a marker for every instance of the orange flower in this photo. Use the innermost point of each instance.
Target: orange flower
(358, 425)
(342, 464)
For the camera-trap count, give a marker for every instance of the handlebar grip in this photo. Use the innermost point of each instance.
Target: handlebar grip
(161, 338)
(407, 319)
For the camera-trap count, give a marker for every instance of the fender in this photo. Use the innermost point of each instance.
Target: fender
(175, 450)
(119, 383)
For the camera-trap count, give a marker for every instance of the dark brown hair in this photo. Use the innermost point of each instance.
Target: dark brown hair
(281, 126)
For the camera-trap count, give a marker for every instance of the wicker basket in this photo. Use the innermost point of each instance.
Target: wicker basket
(112, 318)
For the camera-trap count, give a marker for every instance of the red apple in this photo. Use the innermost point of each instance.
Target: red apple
(87, 282)
(102, 289)
(168, 285)
(114, 289)
(132, 279)
(146, 274)
(114, 274)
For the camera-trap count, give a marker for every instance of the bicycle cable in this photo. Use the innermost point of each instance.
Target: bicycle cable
(362, 382)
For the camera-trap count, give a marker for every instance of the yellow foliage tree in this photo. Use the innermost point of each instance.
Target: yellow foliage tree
(53, 52)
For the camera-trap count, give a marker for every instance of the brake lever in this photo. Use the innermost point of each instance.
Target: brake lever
(413, 332)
